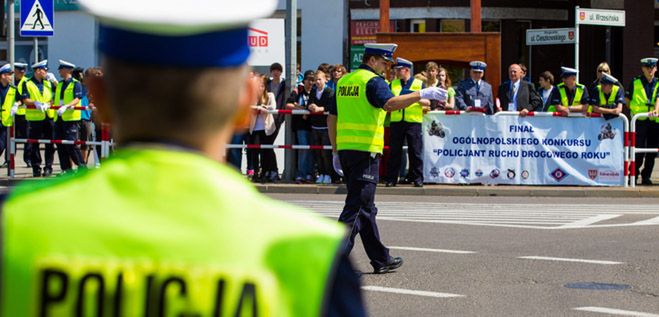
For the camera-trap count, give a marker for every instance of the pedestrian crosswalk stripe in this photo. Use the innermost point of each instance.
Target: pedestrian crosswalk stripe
(409, 292)
(533, 216)
(613, 311)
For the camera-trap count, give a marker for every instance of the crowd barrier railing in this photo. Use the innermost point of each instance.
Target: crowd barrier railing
(627, 135)
(105, 143)
(635, 150)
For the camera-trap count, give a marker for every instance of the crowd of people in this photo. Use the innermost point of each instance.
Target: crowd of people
(563, 94)
(42, 107)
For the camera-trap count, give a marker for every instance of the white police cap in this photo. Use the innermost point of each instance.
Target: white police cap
(193, 33)
(608, 79)
(65, 64)
(6, 69)
(478, 66)
(567, 72)
(20, 65)
(649, 62)
(385, 50)
(41, 64)
(401, 62)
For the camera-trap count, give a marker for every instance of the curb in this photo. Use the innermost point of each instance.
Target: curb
(474, 191)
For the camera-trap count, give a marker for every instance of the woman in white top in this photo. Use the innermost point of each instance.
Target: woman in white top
(546, 81)
(262, 125)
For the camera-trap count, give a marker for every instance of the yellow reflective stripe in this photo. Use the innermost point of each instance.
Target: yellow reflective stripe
(361, 127)
(360, 139)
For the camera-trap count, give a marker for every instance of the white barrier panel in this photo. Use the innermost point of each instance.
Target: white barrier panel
(523, 150)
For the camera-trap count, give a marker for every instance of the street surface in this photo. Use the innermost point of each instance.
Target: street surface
(496, 256)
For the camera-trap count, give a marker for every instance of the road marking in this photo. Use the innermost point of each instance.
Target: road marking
(570, 260)
(613, 311)
(409, 292)
(583, 223)
(432, 250)
(531, 216)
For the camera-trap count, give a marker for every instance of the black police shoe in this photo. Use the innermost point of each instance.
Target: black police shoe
(390, 184)
(646, 181)
(47, 171)
(393, 264)
(418, 184)
(36, 172)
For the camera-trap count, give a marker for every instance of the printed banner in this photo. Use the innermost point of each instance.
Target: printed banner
(469, 149)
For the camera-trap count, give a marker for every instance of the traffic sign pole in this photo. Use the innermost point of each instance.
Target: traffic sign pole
(576, 40)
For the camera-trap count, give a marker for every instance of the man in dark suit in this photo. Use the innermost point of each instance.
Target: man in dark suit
(474, 93)
(517, 94)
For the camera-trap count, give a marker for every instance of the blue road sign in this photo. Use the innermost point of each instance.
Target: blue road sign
(37, 18)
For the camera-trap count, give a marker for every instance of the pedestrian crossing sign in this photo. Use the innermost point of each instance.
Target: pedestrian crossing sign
(37, 18)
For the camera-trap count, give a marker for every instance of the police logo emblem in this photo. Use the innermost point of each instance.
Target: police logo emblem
(511, 173)
(464, 173)
(434, 172)
(592, 174)
(495, 173)
(558, 174)
(449, 172)
(525, 174)
(478, 173)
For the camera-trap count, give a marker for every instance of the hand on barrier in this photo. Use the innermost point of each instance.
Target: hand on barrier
(337, 164)
(433, 93)
(42, 106)
(62, 109)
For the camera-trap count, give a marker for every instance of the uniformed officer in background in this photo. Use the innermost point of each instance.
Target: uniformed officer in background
(172, 232)
(38, 92)
(474, 93)
(641, 97)
(607, 97)
(569, 96)
(9, 101)
(67, 96)
(20, 128)
(356, 129)
(405, 124)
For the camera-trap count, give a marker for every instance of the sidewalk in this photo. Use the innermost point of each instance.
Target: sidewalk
(474, 190)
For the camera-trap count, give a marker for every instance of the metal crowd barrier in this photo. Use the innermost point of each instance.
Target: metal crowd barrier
(634, 149)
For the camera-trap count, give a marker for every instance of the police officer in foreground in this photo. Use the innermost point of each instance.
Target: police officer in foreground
(474, 93)
(569, 96)
(38, 92)
(20, 130)
(356, 129)
(641, 97)
(406, 125)
(67, 96)
(173, 232)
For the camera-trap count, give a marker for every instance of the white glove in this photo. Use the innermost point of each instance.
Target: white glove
(14, 109)
(61, 110)
(337, 164)
(434, 93)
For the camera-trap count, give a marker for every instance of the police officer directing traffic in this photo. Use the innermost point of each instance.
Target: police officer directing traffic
(356, 128)
(406, 125)
(38, 92)
(641, 95)
(67, 96)
(474, 93)
(172, 232)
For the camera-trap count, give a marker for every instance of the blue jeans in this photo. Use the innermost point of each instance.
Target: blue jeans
(235, 156)
(304, 157)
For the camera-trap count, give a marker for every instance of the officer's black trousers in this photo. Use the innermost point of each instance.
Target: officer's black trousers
(360, 171)
(647, 136)
(67, 130)
(20, 132)
(398, 133)
(41, 130)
